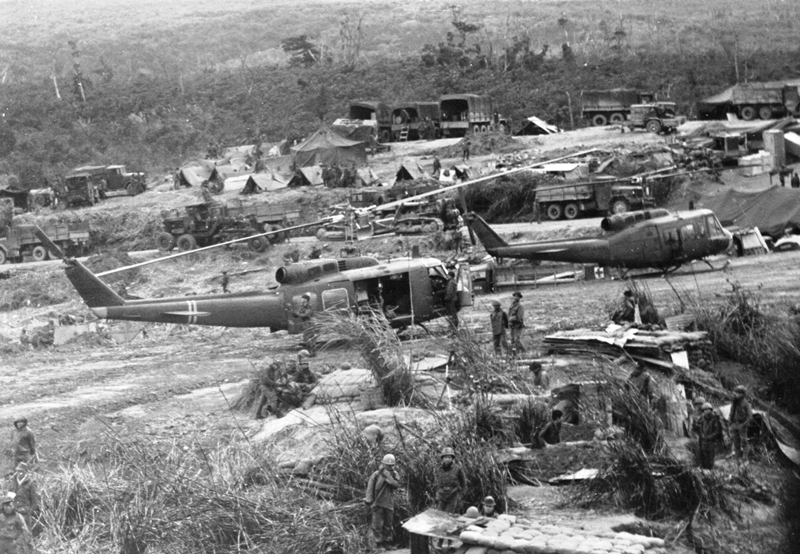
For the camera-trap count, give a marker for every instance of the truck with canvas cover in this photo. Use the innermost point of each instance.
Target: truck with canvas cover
(600, 197)
(81, 188)
(377, 111)
(465, 113)
(656, 117)
(751, 100)
(17, 241)
(115, 178)
(416, 121)
(210, 223)
(602, 107)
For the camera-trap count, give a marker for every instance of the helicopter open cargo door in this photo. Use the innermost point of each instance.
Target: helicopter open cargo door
(464, 284)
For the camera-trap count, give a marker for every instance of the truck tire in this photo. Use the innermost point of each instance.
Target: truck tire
(619, 206)
(131, 189)
(617, 118)
(165, 242)
(571, 210)
(654, 126)
(599, 120)
(277, 237)
(748, 113)
(39, 253)
(385, 136)
(765, 112)
(554, 212)
(3, 256)
(186, 242)
(258, 244)
(484, 129)
(476, 130)
(322, 233)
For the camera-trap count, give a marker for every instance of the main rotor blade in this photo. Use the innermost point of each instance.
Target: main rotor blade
(178, 255)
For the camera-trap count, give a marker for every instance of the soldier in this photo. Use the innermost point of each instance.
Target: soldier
(551, 433)
(27, 501)
(488, 506)
(541, 379)
(23, 442)
(516, 320)
(499, 323)
(450, 483)
(304, 375)
(640, 381)
(740, 418)
(626, 313)
(437, 166)
(696, 414)
(795, 180)
(451, 299)
(380, 498)
(225, 281)
(305, 313)
(465, 149)
(709, 435)
(12, 526)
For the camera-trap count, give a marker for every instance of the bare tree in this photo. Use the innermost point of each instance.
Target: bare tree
(351, 35)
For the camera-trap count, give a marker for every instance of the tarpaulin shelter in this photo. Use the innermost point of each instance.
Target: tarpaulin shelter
(771, 210)
(307, 176)
(326, 147)
(195, 175)
(17, 195)
(535, 126)
(359, 130)
(409, 171)
(263, 182)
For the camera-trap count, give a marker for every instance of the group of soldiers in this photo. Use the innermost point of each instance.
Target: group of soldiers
(336, 176)
(514, 320)
(451, 483)
(283, 387)
(20, 503)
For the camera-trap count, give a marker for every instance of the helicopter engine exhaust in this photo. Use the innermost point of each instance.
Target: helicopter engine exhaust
(618, 222)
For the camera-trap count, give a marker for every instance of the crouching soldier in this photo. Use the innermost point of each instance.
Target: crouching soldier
(380, 498)
(12, 527)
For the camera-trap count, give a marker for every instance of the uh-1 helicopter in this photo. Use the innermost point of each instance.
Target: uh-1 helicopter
(410, 291)
(634, 240)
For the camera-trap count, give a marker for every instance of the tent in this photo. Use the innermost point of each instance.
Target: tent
(262, 182)
(326, 147)
(307, 176)
(409, 171)
(194, 176)
(771, 210)
(535, 126)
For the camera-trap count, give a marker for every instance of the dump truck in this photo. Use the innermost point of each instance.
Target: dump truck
(600, 197)
(656, 117)
(377, 111)
(17, 241)
(751, 100)
(210, 223)
(602, 107)
(464, 113)
(416, 121)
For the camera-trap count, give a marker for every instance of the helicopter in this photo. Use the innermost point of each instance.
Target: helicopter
(641, 239)
(409, 290)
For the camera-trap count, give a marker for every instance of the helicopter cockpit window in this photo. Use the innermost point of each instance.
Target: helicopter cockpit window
(714, 227)
(687, 231)
(335, 299)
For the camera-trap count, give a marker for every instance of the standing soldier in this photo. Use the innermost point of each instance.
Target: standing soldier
(740, 418)
(23, 442)
(696, 415)
(437, 166)
(709, 435)
(640, 381)
(516, 319)
(225, 281)
(305, 313)
(380, 498)
(451, 299)
(795, 180)
(450, 483)
(12, 526)
(27, 501)
(499, 323)
(465, 149)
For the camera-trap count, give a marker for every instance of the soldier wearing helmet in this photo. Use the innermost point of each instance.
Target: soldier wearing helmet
(740, 418)
(23, 442)
(26, 500)
(450, 483)
(12, 526)
(697, 414)
(488, 507)
(709, 436)
(380, 498)
(305, 313)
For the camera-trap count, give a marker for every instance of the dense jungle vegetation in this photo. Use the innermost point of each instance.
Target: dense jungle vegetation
(152, 92)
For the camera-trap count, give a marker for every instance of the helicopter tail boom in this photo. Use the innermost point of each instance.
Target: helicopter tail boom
(93, 291)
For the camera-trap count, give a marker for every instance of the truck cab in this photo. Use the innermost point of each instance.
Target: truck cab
(82, 188)
(655, 117)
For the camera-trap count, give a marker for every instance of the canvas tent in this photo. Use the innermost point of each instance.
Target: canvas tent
(535, 126)
(264, 182)
(307, 176)
(772, 210)
(326, 147)
(409, 171)
(195, 175)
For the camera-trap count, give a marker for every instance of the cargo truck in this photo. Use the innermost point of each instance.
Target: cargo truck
(17, 241)
(376, 111)
(465, 113)
(753, 100)
(602, 107)
(593, 198)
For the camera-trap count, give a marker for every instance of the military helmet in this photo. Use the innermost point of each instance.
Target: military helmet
(495, 302)
(306, 295)
(447, 452)
(472, 513)
(388, 460)
(488, 501)
(740, 388)
(7, 498)
(707, 406)
(699, 400)
(22, 419)
(303, 354)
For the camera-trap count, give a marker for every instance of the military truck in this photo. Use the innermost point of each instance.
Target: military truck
(81, 189)
(465, 113)
(656, 117)
(602, 107)
(210, 223)
(17, 241)
(415, 121)
(114, 178)
(750, 100)
(376, 111)
(599, 197)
